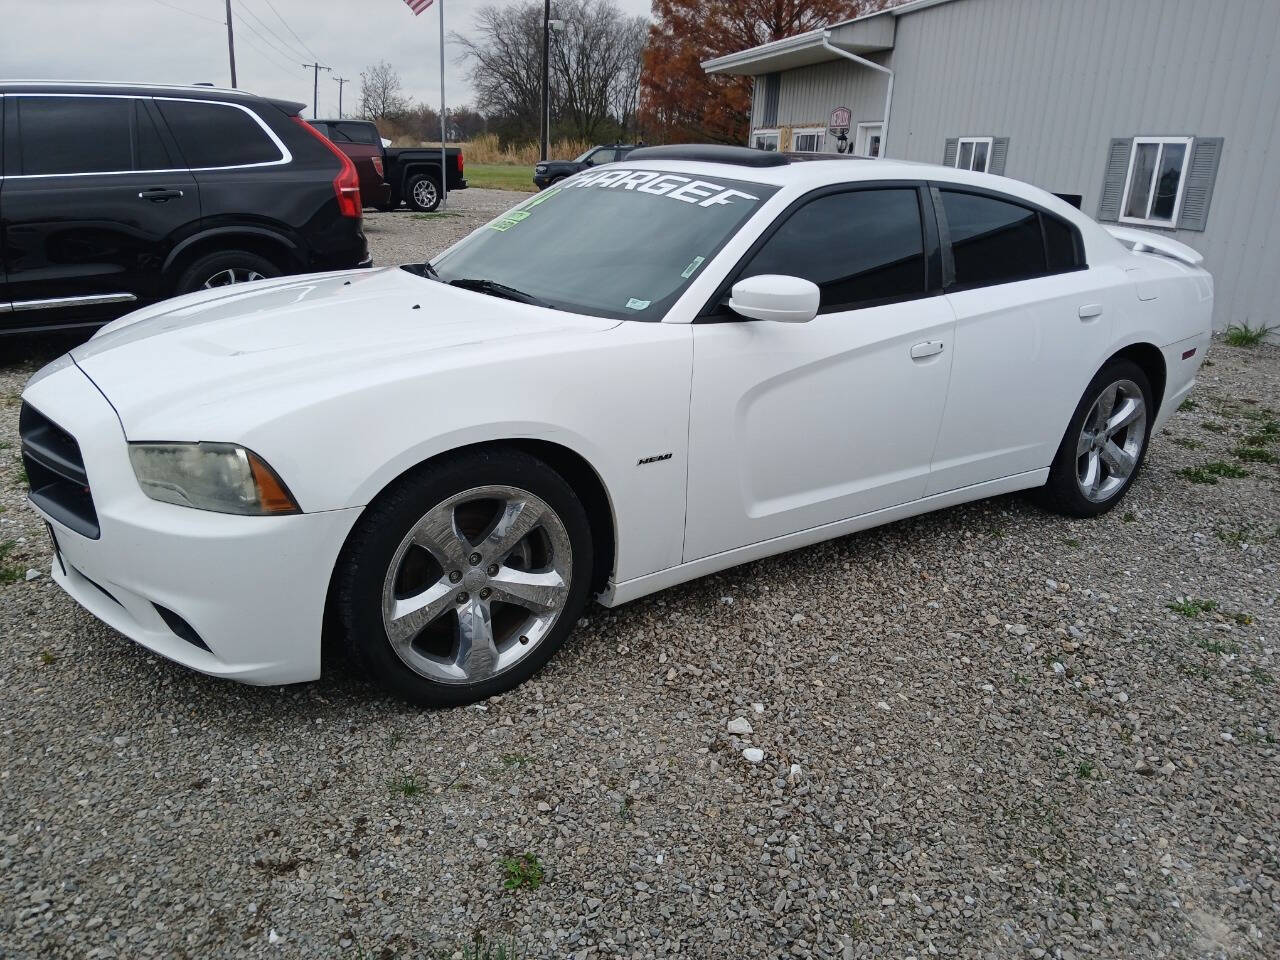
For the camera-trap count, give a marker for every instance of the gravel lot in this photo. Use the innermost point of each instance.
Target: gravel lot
(985, 734)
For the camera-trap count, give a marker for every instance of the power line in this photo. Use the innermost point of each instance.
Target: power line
(287, 54)
(294, 54)
(189, 13)
(267, 55)
(291, 30)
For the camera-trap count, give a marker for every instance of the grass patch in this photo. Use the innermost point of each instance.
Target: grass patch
(1191, 607)
(1255, 455)
(1186, 442)
(1258, 675)
(1071, 542)
(515, 760)
(9, 572)
(1213, 427)
(1233, 537)
(406, 787)
(1211, 472)
(1130, 517)
(1212, 645)
(1188, 404)
(1085, 770)
(1243, 335)
(522, 872)
(500, 176)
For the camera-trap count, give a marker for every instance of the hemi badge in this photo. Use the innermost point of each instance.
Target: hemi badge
(1188, 354)
(654, 459)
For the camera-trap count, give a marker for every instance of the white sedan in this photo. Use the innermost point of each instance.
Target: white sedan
(657, 370)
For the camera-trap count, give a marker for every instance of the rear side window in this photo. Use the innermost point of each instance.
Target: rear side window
(74, 135)
(861, 248)
(217, 134)
(1062, 244)
(992, 241)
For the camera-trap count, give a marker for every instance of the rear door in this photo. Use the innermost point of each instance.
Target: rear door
(1033, 325)
(93, 202)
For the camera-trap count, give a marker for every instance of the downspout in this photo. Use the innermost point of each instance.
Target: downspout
(888, 94)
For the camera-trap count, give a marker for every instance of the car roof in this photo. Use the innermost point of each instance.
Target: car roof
(196, 91)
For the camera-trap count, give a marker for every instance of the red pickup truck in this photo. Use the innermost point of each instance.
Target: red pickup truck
(389, 175)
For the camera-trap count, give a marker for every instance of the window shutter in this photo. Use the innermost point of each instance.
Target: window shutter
(1201, 173)
(772, 87)
(1113, 178)
(999, 150)
(949, 151)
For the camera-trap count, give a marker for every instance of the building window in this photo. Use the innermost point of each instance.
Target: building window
(867, 139)
(1155, 183)
(973, 154)
(765, 139)
(809, 139)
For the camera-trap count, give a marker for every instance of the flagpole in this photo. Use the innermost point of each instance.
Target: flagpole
(444, 169)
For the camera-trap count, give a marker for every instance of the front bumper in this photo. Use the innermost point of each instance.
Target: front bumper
(251, 588)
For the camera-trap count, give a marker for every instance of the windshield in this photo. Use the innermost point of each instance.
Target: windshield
(619, 243)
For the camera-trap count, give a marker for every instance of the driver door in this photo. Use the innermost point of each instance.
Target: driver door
(796, 425)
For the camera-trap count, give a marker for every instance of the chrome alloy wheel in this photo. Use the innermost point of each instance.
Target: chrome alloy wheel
(476, 584)
(424, 193)
(225, 278)
(1111, 440)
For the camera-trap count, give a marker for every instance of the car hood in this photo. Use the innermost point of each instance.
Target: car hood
(264, 343)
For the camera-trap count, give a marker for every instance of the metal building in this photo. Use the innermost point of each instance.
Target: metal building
(1163, 114)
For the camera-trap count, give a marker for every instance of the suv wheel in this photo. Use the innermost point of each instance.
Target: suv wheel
(424, 193)
(463, 579)
(225, 268)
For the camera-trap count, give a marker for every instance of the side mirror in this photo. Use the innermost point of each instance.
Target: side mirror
(771, 296)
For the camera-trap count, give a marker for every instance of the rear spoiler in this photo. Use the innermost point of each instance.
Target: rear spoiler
(290, 108)
(1143, 241)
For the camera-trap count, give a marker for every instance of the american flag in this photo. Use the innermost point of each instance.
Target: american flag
(417, 6)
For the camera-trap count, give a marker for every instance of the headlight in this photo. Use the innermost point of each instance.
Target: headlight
(222, 477)
(540, 168)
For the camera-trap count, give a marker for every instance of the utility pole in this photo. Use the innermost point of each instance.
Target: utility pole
(340, 81)
(544, 123)
(315, 85)
(231, 45)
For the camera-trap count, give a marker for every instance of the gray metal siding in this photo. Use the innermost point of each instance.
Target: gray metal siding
(1061, 80)
(809, 94)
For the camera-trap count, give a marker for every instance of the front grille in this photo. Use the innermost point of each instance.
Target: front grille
(55, 471)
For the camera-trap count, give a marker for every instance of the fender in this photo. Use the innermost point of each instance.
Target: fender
(415, 167)
(203, 235)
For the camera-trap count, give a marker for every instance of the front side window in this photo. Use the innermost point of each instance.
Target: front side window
(1154, 186)
(621, 243)
(597, 156)
(992, 241)
(861, 247)
(973, 153)
(214, 135)
(62, 135)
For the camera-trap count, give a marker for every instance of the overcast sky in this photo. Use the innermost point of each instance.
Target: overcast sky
(185, 41)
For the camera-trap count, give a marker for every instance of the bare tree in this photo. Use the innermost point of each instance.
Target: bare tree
(595, 64)
(380, 93)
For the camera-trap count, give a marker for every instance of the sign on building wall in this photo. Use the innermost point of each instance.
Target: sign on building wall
(839, 122)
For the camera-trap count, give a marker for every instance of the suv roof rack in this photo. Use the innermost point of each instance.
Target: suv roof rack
(711, 153)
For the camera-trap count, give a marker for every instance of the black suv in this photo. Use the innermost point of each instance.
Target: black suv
(115, 196)
(548, 172)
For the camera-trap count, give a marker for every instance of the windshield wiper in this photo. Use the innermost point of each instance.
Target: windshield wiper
(424, 269)
(495, 289)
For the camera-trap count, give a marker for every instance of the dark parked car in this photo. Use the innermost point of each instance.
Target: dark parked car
(115, 196)
(553, 171)
(360, 141)
(412, 173)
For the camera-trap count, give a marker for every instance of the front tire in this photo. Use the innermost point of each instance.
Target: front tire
(465, 577)
(424, 193)
(1105, 443)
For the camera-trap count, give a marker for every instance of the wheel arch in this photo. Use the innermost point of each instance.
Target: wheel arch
(1149, 357)
(280, 250)
(413, 169)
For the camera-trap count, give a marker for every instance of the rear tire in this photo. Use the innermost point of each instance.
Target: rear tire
(1105, 443)
(225, 268)
(423, 193)
(433, 599)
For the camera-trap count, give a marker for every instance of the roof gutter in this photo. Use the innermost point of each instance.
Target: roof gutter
(888, 94)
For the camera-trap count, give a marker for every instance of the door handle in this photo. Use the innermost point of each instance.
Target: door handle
(1090, 310)
(930, 348)
(160, 194)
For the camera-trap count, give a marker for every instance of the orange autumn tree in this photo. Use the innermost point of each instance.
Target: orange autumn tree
(678, 101)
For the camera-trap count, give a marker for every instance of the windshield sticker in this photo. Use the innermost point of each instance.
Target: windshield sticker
(634, 304)
(702, 192)
(692, 267)
(542, 197)
(508, 220)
